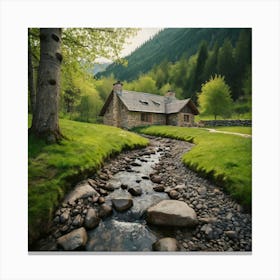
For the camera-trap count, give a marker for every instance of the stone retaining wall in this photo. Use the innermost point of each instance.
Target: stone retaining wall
(226, 123)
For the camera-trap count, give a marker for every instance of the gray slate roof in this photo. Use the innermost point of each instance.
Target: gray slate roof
(147, 102)
(153, 103)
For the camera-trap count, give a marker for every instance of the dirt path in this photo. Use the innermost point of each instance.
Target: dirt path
(222, 225)
(228, 132)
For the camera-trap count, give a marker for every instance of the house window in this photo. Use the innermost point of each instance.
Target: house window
(146, 117)
(186, 118)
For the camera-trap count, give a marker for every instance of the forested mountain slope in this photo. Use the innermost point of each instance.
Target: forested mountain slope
(169, 44)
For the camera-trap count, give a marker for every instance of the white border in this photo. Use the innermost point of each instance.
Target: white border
(262, 16)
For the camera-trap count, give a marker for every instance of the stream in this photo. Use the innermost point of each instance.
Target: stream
(144, 177)
(127, 231)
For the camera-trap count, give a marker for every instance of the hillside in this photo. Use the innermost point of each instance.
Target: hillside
(169, 44)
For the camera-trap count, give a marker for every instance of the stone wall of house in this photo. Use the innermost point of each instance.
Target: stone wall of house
(159, 119)
(178, 120)
(134, 119)
(108, 117)
(226, 123)
(181, 121)
(172, 119)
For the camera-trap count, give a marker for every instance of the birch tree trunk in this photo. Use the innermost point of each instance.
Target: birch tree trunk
(31, 86)
(45, 117)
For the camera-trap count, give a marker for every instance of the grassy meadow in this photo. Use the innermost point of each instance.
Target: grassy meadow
(223, 158)
(52, 169)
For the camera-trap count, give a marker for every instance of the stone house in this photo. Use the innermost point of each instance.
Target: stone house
(127, 109)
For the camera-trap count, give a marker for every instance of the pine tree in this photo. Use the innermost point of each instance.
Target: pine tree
(226, 64)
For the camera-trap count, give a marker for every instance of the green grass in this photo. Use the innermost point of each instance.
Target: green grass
(223, 158)
(52, 169)
(238, 129)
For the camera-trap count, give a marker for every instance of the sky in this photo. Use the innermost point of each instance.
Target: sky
(143, 35)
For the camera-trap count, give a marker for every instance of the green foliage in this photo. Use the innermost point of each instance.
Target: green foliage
(104, 87)
(143, 84)
(225, 63)
(225, 159)
(53, 169)
(215, 97)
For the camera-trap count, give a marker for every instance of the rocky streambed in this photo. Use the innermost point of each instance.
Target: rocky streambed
(147, 200)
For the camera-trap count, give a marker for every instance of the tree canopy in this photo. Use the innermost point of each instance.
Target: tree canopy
(215, 98)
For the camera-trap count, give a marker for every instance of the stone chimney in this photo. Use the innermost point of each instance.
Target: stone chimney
(170, 96)
(117, 87)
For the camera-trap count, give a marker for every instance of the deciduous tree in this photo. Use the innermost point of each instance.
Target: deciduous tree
(45, 117)
(80, 44)
(215, 98)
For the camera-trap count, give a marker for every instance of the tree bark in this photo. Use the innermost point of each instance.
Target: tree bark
(31, 87)
(45, 118)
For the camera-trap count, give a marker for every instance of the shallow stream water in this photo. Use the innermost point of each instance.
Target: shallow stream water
(128, 231)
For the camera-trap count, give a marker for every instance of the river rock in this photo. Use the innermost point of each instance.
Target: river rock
(202, 190)
(231, 234)
(64, 217)
(124, 186)
(103, 192)
(77, 222)
(122, 204)
(174, 194)
(135, 191)
(135, 164)
(171, 213)
(82, 190)
(229, 216)
(156, 179)
(56, 220)
(112, 185)
(91, 220)
(92, 182)
(73, 240)
(105, 210)
(180, 188)
(166, 244)
(101, 200)
(159, 188)
(207, 229)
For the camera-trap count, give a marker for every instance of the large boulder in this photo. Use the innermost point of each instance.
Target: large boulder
(82, 190)
(171, 213)
(73, 240)
(122, 204)
(166, 244)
